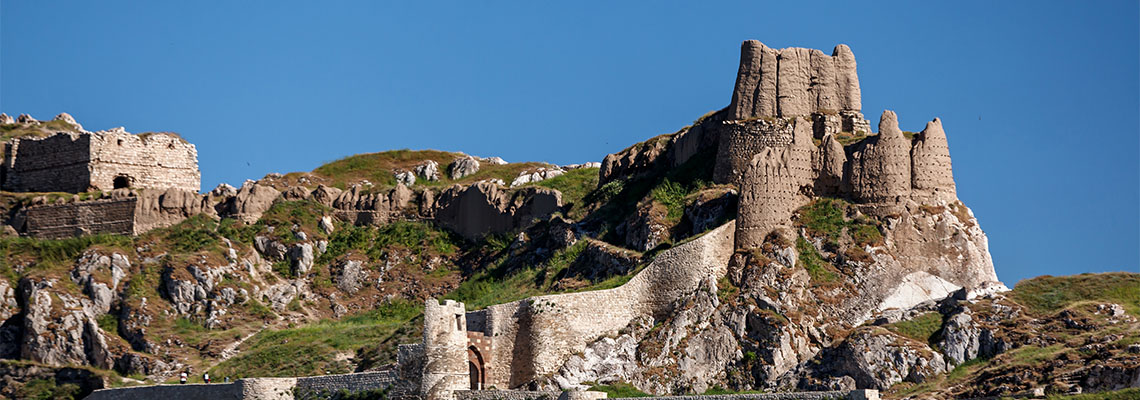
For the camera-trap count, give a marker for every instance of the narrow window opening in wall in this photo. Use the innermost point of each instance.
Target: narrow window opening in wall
(458, 322)
(121, 182)
(170, 146)
(120, 142)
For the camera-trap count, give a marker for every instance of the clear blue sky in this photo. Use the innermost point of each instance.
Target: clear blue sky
(1040, 100)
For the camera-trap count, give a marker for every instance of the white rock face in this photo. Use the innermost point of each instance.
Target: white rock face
(916, 288)
(326, 224)
(406, 177)
(593, 164)
(495, 161)
(428, 170)
(537, 176)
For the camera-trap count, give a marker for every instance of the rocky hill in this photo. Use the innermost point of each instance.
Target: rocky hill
(853, 265)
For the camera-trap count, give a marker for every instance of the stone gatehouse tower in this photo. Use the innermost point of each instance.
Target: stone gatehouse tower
(105, 160)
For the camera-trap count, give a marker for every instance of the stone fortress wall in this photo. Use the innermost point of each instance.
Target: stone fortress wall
(534, 337)
(111, 216)
(154, 160)
(105, 160)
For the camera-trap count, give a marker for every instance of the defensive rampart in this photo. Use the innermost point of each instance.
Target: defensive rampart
(534, 337)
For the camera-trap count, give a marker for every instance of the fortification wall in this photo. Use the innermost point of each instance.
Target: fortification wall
(58, 163)
(315, 386)
(537, 335)
(506, 395)
(57, 221)
(244, 389)
(157, 160)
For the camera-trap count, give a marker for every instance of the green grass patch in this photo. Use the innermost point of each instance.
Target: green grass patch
(922, 328)
(48, 254)
(108, 323)
(574, 186)
(672, 195)
(311, 349)
(619, 389)
(810, 259)
(827, 218)
(1124, 394)
(1048, 294)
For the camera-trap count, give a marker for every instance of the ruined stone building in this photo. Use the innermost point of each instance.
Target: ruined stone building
(106, 160)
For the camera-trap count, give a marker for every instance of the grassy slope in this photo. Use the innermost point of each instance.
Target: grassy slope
(378, 168)
(312, 349)
(1045, 297)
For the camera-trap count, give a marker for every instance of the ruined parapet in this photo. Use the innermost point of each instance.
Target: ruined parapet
(740, 140)
(932, 179)
(880, 170)
(445, 367)
(57, 163)
(794, 82)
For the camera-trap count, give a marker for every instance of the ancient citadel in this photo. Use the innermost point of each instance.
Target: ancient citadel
(793, 132)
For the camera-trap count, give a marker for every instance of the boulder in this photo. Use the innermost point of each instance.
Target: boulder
(877, 358)
(645, 228)
(6, 119)
(301, 258)
(428, 170)
(349, 275)
(407, 178)
(538, 175)
(65, 117)
(462, 167)
(26, 119)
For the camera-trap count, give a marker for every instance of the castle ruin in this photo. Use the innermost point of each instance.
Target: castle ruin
(78, 162)
(781, 145)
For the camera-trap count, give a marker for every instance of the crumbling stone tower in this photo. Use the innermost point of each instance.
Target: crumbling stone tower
(106, 160)
(445, 350)
(780, 145)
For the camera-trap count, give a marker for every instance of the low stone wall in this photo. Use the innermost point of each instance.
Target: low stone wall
(506, 395)
(837, 395)
(248, 389)
(57, 221)
(315, 386)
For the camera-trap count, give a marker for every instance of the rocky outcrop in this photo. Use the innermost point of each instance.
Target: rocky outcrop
(60, 328)
(600, 260)
(538, 175)
(646, 228)
(162, 208)
(876, 359)
(482, 208)
(99, 276)
(463, 167)
(710, 209)
(6, 119)
(251, 201)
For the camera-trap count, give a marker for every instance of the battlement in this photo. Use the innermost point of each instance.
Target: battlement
(105, 160)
